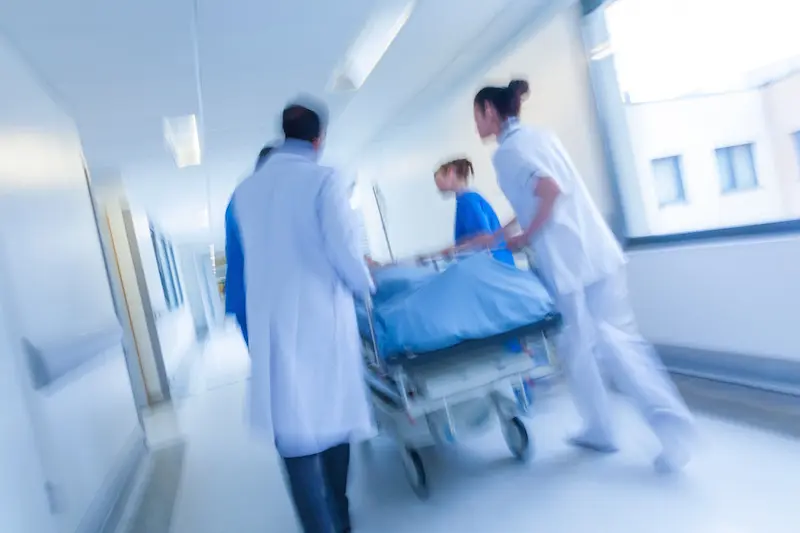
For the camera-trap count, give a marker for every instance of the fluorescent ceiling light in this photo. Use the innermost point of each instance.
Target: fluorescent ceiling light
(183, 140)
(371, 45)
(601, 51)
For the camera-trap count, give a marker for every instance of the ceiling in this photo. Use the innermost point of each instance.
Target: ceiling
(120, 68)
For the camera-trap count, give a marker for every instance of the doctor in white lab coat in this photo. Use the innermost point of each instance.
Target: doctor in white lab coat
(583, 264)
(302, 266)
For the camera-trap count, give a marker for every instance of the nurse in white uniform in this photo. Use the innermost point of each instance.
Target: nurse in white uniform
(299, 242)
(581, 261)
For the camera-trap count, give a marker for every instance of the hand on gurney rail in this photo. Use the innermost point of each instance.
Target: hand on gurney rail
(517, 242)
(446, 254)
(458, 252)
(372, 264)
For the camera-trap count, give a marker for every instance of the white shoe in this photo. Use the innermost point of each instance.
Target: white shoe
(676, 436)
(595, 445)
(673, 461)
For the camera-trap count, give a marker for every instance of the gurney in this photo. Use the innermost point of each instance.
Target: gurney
(425, 398)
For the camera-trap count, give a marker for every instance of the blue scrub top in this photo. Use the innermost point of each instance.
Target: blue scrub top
(235, 302)
(475, 216)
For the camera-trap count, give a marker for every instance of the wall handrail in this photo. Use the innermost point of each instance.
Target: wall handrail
(50, 362)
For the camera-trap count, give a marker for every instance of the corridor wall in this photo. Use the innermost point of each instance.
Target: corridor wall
(70, 408)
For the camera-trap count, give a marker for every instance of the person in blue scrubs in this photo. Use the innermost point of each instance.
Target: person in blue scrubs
(235, 303)
(475, 218)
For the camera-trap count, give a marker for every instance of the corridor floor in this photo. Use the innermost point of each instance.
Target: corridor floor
(742, 479)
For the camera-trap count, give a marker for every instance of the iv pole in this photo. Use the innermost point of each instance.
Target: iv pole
(379, 203)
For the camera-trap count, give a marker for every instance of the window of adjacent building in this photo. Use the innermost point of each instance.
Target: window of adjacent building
(668, 178)
(796, 138)
(737, 168)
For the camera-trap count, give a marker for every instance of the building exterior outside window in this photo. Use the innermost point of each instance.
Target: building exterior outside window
(727, 105)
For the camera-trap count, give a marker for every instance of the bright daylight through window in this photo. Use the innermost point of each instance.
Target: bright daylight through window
(708, 103)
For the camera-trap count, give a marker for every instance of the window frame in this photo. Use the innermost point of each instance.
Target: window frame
(601, 69)
(172, 301)
(156, 239)
(176, 275)
(676, 161)
(796, 141)
(728, 152)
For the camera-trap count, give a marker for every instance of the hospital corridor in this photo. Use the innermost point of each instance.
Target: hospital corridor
(742, 479)
(389, 266)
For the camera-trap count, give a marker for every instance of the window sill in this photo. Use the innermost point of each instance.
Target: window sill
(675, 203)
(786, 227)
(742, 190)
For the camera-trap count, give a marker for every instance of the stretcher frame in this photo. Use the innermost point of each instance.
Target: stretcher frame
(419, 399)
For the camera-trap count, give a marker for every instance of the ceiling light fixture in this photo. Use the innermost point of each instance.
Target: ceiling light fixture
(183, 140)
(371, 45)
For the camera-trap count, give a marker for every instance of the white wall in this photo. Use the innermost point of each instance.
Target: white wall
(199, 286)
(176, 333)
(54, 288)
(178, 337)
(403, 159)
(23, 505)
(738, 297)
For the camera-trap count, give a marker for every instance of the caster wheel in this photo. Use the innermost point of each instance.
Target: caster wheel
(517, 439)
(415, 472)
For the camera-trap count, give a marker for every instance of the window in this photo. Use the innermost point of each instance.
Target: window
(175, 275)
(167, 270)
(162, 272)
(172, 293)
(796, 136)
(737, 168)
(658, 94)
(668, 180)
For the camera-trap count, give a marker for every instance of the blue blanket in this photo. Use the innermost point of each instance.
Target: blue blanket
(418, 310)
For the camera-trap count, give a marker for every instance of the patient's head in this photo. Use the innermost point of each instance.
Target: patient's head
(454, 175)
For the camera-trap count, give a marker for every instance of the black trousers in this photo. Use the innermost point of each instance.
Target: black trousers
(318, 485)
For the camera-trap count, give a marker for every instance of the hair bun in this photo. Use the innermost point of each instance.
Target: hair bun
(519, 88)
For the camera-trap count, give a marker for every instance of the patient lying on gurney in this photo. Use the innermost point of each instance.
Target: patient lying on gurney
(418, 310)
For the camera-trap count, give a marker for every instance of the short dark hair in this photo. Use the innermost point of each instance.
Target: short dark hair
(304, 122)
(263, 155)
(507, 101)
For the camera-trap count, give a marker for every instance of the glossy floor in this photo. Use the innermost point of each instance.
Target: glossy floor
(742, 479)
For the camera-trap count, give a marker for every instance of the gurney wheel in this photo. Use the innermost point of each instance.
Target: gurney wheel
(517, 438)
(415, 472)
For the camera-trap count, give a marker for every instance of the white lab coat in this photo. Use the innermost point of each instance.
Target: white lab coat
(302, 267)
(581, 261)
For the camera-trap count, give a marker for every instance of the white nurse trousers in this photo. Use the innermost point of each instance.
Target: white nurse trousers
(600, 330)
